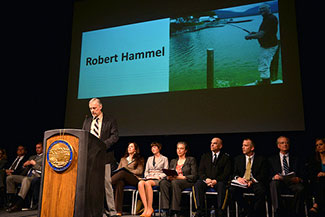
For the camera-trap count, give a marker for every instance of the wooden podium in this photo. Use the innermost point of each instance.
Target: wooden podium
(72, 182)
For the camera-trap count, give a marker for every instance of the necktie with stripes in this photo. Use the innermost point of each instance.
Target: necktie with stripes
(96, 127)
(285, 165)
(14, 164)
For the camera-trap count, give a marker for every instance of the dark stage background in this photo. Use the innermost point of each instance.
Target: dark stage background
(35, 67)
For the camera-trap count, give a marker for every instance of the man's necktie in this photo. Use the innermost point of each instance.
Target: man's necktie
(285, 165)
(214, 162)
(248, 171)
(96, 127)
(14, 164)
(30, 172)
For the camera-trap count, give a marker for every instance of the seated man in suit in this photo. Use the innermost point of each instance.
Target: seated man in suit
(33, 168)
(250, 175)
(16, 168)
(281, 165)
(214, 172)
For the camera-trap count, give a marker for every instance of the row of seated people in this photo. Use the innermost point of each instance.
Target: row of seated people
(23, 173)
(248, 172)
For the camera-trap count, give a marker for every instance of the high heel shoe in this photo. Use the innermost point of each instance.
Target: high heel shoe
(143, 213)
(150, 214)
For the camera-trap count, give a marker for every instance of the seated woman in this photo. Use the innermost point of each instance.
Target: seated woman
(133, 164)
(317, 178)
(152, 176)
(186, 169)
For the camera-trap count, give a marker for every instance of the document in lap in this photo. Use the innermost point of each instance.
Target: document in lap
(122, 168)
(289, 176)
(238, 184)
(169, 172)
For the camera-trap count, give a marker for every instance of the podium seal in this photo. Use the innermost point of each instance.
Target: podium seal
(59, 155)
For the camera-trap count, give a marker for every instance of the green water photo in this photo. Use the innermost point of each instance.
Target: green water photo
(235, 60)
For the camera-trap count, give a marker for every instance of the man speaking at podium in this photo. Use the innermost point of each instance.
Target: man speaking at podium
(105, 128)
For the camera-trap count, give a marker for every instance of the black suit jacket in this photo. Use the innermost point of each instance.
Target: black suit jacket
(295, 165)
(314, 167)
(259, 168)
(20, 170)
(108, 134)
(189, 168)
(221, 171)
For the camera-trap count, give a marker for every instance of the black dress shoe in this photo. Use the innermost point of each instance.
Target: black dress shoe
(199, 214)
(14, 208)
(243, 213)
(34, 207)
(8, 205)
(221, 213)
(17, 206)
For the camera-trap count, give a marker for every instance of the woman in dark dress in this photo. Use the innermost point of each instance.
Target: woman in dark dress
(317, 178)
(186, 169)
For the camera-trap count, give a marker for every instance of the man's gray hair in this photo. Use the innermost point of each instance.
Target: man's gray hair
(95, 99)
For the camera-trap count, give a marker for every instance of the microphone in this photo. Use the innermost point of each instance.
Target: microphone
(86, 117)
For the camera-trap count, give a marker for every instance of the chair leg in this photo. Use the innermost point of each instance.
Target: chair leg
(159, 205)
(236, 207)
(134, 209)
(206, 204)
(266, 208)
(132, 206)
(306, 210)
(191, 204)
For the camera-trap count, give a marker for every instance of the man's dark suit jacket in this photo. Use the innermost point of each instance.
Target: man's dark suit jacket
(189, 168)
(259, 168)
(109, 135)
(295, 165)
(220, 172)
(20, 169)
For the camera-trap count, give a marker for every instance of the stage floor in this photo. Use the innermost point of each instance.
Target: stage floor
(32, 213)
